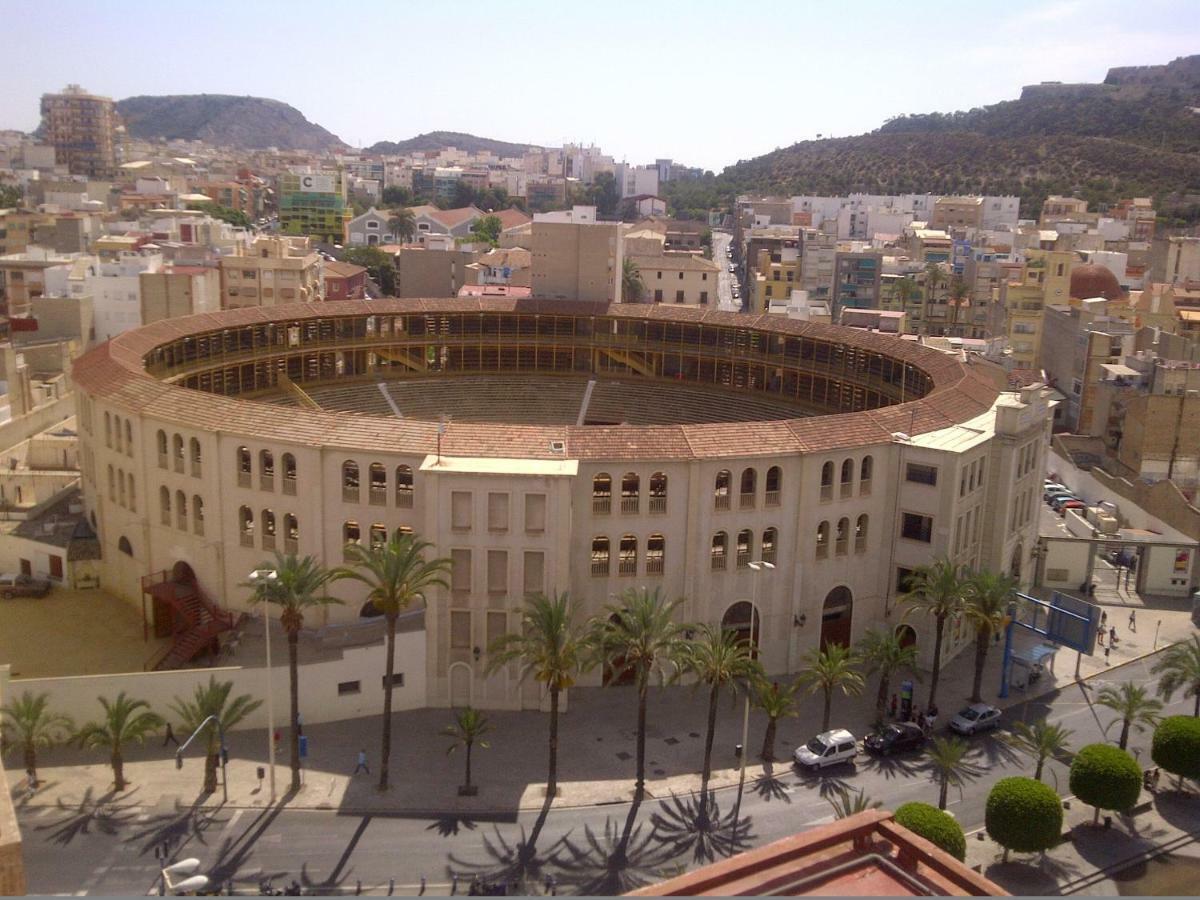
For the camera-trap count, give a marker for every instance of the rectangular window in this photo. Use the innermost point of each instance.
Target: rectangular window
(703, 298)
(535, 513)
(349, 687)
(921, 474)
(460, 510)
(497, 512)
(460, 630)
(497, 571)
(903, 576)
(460, 570)
(497, 626)
(658, 296)
(397, 680)
(535, 572)
(679, 296)
(917, 528)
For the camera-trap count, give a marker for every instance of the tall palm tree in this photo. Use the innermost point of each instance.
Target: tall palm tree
(396, 574)
(125, 721)
(1179, 667)
(778, 703)
(717, 659)
(985, 605)
(640, 637)
(402, 224)
(28, 723)
(550, 648)
(936, 590)
(470, 725)
(1040, 740)
(632, 286)
(833, 669)
(207, 700)
(1133, 703)
(881, 650)
(298, 585)
(903, 290)
(947, 758)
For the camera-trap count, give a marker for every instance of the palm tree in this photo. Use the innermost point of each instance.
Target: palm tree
(470, 725)
(1040, 740)
(778, 703)
(936, 590)
(297, 586)
(550, 648)
(985, 605)
(947, 759)
(903, 290)
(396, 574)
(829, 670)
(402, 224)
(847, 803)
(1133, 704)
(881, 650)
(126, 721)
(639, 637)
(213, 700)
(27, 722)
(632, 287)
(718, 658)
(1180, 668)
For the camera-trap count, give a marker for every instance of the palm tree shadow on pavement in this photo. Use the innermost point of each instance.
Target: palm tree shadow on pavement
(236, 851)
(679, 824)
(450, 826)
(172, 829)
(615, 862)
(516, 863)
(771, 787)
(103, 814)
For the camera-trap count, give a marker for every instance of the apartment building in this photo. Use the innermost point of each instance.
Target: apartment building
(345, 281)
(1183, 259)
(575, 257)
(774, 276)
(818, 262)
(82, 129)
(271, 271)
(314, 205)
(179, 291)
(681, 278)
(436, 269)
(856, 280)
(1077, 342)
(957, 212)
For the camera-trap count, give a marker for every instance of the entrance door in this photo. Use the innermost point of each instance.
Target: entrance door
(460, 685)
(836, 617)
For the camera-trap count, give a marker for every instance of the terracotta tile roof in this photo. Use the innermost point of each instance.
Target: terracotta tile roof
(512, 218)
(343, 270)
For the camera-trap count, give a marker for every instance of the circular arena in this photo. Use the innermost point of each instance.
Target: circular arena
(551, 445)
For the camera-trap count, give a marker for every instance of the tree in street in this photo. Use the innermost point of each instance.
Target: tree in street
(632, 286)
(27, 722)
(397, 196)
(125, 721)
(882, 652)
(1023, 815)
(947, 759)
(234, 217)
(718, 659)
(1176, 747)
(1133, 703)
(395, 574)
(1179, 668)
(1040, 741)
(778, 703)
(486, 230)
(639, 637)
(985, 606)
(834, 668)
(208, 700)
(937, 591)
(402, 224)
(1105, 777)
(469, 728)
(299, 585)
(936, 826)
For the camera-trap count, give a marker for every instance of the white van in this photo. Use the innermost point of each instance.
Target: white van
(827, 749)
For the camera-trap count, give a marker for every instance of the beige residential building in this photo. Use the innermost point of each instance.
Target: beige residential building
(1183, 259)
(82, 127)
(957, 212)
(432, 271)
(678, 278)
(271, 271)
(179, 291)
(576, 258)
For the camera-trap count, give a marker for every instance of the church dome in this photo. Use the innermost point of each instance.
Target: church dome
(1094, 281)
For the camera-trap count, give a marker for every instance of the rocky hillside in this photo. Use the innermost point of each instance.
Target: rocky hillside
(440, 140)
(248, 122)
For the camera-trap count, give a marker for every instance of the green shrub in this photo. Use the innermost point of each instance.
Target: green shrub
(1023, 815)
(937, 827)
(1176, 746)
(1105, 777)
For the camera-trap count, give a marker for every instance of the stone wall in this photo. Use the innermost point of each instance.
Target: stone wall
(12, 867)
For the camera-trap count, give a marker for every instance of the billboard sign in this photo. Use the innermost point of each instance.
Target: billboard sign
(318, 184)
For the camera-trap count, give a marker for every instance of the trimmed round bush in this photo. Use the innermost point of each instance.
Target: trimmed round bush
(1023, 815)
(1105, 777)
(937, 827)
(1176, 746)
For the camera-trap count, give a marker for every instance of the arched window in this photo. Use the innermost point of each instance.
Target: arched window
(108, 430)
(350, 481)
(350, 535)
(132, 495)
(164, 504)
(860, 534)
(124, 546)
(404, 487)
(774, 484)
(246, 526)
(745, 547)
(244, 464)
(121, 486)
(291, 533)
(720, 550)
(198, 515)
(740, 618)
(128, 438)
(843, 536)
(378, 535)
(822, 540)
(112, 484)
(599, 556)
(266, 470)
(601, 493)
(628, 555)
(161, 443)
(847, 477)
(177, 452)
(402, 530)
(658, 493)
(721, 489)
(749, 485)
(289, 474)
(181, 514)
(117, 433)
(864, 475)
(377, 485)
(194, 453)
(836, 617)
(268, 529)
(631, 487)
(769, 540)
(827, 481)
(656, 549)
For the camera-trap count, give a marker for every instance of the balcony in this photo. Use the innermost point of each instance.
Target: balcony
(266, 482)
(243, 479)
(291, 545)
(772, 498)
(658, 505)
(627, 567)
(864, 487)
(289, 486)
(746, 501)
(722, 501)
(268, 542)
(404, 498)
(377, 495)
(600, 567)
(247, 538)
(601, 506)
(826, 493)
(349, 494)
(718, 563)
(654, 565)
(162, 460)
(629, 505)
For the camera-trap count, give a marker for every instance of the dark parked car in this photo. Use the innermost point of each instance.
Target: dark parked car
(23, 586)
(896, 738)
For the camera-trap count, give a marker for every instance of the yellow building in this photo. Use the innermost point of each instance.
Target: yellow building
(314, 205)
(1045, 279)
(773, 279)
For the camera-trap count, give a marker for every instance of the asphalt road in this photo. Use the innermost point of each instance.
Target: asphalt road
(725, 282)
(113, 852)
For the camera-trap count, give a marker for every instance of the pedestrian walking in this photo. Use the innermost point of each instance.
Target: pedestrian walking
(362, 763)
(31, 778)
(1112, 636)
(1106, 652)
(169, 736)
(1100, 636)
(931, 716)
(1104, 618)
(1133, 620)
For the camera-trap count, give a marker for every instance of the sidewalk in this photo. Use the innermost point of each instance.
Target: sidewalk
(597, 745)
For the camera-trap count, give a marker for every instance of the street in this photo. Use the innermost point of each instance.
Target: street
(110, 848)
(725, 280)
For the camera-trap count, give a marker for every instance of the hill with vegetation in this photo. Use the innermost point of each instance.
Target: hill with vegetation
(442, 140)
(224, 120)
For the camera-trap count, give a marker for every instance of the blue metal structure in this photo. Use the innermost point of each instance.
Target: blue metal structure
(1066, 621)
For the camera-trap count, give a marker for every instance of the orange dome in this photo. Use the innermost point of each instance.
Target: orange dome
(1094, 281)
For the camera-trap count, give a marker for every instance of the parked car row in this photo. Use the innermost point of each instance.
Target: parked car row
(19, 585)
(1060, 497)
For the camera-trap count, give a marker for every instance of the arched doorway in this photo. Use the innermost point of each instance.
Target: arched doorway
(460, 685)
(1015, 567)
(906, 634)
(835, 617)
(182, 573)
(737, 619)
(615, 672)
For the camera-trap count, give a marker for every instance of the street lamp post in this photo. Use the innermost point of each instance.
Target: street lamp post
(756, 566)
(223, 753)
(261, 579)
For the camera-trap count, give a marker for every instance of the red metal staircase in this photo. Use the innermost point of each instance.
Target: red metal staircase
(195, 621)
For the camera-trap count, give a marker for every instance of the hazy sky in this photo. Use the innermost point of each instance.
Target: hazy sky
(705, 83)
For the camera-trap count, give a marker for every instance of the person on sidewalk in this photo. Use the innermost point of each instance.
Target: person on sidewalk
(1112, 636)
(931, 717)
(362, 763)
(1107, 650)
(169, 737)
(1100, 635)
(1133, 620)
